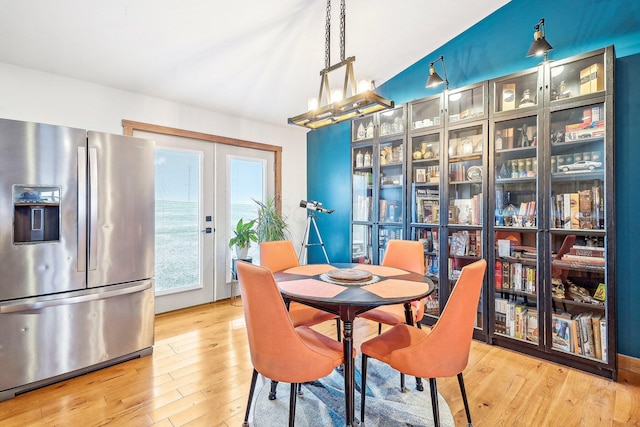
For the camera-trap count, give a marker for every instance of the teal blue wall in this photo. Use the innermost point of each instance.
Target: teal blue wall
(494, 47)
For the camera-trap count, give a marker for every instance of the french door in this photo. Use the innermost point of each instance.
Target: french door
(202, 189)
(185, 223)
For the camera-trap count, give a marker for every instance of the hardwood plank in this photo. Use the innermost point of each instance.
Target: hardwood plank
(200, 371)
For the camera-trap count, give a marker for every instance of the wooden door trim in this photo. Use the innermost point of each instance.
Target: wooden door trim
(130, 126)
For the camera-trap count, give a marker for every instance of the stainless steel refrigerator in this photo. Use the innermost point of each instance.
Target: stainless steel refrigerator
(76, 252)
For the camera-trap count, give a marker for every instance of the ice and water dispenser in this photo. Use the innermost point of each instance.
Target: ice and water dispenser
(36, 214)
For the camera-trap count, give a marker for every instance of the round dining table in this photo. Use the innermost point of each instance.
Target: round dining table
(316, 285)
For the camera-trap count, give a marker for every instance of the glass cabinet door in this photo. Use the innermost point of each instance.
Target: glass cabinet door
(516, 92)
(362, 156)
(578, 231)
(465, 199)
(424, 207)
(391, 197)
(515, 237)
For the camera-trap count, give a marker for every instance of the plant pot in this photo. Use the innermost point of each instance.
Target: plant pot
(241, 253)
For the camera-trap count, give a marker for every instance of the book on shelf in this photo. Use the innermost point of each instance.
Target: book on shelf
(506, 275)
(498, 275)
(576, 335)
(590, 260)
(520, 319)
(603, 338)
(532, 325)
(601, 292)
(382, 210)
(571, 211)
(584, 210)
(586, 335)
(501, 316)
(430, 209)
(561, 328)
(587, 251)
(459, 243)
(597, 338)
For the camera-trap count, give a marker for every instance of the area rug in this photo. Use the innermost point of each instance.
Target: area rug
(322, 402)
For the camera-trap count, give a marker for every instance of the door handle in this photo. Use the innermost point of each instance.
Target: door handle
(207, 230)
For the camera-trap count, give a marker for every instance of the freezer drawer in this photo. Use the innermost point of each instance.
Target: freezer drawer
(43, 338)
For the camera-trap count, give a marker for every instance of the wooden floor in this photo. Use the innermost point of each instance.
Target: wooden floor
(200, 370)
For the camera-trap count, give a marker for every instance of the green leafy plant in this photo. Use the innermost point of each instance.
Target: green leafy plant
(270, 224)
(244, 234)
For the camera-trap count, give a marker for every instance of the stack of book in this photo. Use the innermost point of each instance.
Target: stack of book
(588, 255)
(516, 320)
(584, 334)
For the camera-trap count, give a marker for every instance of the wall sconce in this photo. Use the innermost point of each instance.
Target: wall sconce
(540, 46)
(434, 78)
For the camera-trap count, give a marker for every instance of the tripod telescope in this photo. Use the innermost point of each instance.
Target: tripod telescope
(312, 207)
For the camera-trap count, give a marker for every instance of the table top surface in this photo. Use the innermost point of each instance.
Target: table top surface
(309, 283)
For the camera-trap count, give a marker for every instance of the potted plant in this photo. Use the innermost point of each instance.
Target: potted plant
(270, 224)
(244, 234)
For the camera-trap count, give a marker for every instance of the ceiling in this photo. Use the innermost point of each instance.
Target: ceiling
(258, 59)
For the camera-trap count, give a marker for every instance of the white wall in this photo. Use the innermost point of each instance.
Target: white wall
(40, 97)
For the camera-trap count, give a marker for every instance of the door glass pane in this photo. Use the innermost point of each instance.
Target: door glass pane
(178, 237)
(247, 183)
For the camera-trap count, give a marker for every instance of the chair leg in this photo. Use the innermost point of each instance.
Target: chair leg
(272, 391)
(292, 404)
(434, 401)
(464, 399)
(403, 389)
(363, 388)
(254, 377)
(338, 330)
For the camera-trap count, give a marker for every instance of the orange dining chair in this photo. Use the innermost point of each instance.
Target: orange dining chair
(441, 351)
(407, 255)
(279, 350)
(280, 255)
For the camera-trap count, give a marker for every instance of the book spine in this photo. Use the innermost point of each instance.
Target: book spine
(599, 253)
(498, 275)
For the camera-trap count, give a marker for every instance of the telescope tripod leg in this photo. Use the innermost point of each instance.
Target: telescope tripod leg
(305, 240)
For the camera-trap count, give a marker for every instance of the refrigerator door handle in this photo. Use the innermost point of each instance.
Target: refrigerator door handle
(93, 208)
(82, 208)
(17, 307)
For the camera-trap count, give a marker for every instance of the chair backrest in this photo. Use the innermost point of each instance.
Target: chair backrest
(405, 254)
(277, 351)
(445, 350)
(278, 255)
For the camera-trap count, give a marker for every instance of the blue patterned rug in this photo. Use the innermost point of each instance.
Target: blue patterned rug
(322, 404)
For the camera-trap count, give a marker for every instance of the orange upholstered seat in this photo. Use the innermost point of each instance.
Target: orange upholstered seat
(443, 350)
(407, 255)
(280, 255)
(280, 351)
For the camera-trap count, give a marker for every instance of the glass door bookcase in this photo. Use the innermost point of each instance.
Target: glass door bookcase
(465, 162)
(424, 180)
(378, 183)
(581, 222)
(515, 230)
(551, 194)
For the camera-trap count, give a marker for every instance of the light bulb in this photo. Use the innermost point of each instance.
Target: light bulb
(336, 96)
(364, 85)
(312, 104)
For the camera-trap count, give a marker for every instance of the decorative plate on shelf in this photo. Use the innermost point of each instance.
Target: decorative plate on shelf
(474, 173)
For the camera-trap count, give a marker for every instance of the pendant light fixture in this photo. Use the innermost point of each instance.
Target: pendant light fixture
(434, 78)
(540, 46)
(340, 104)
